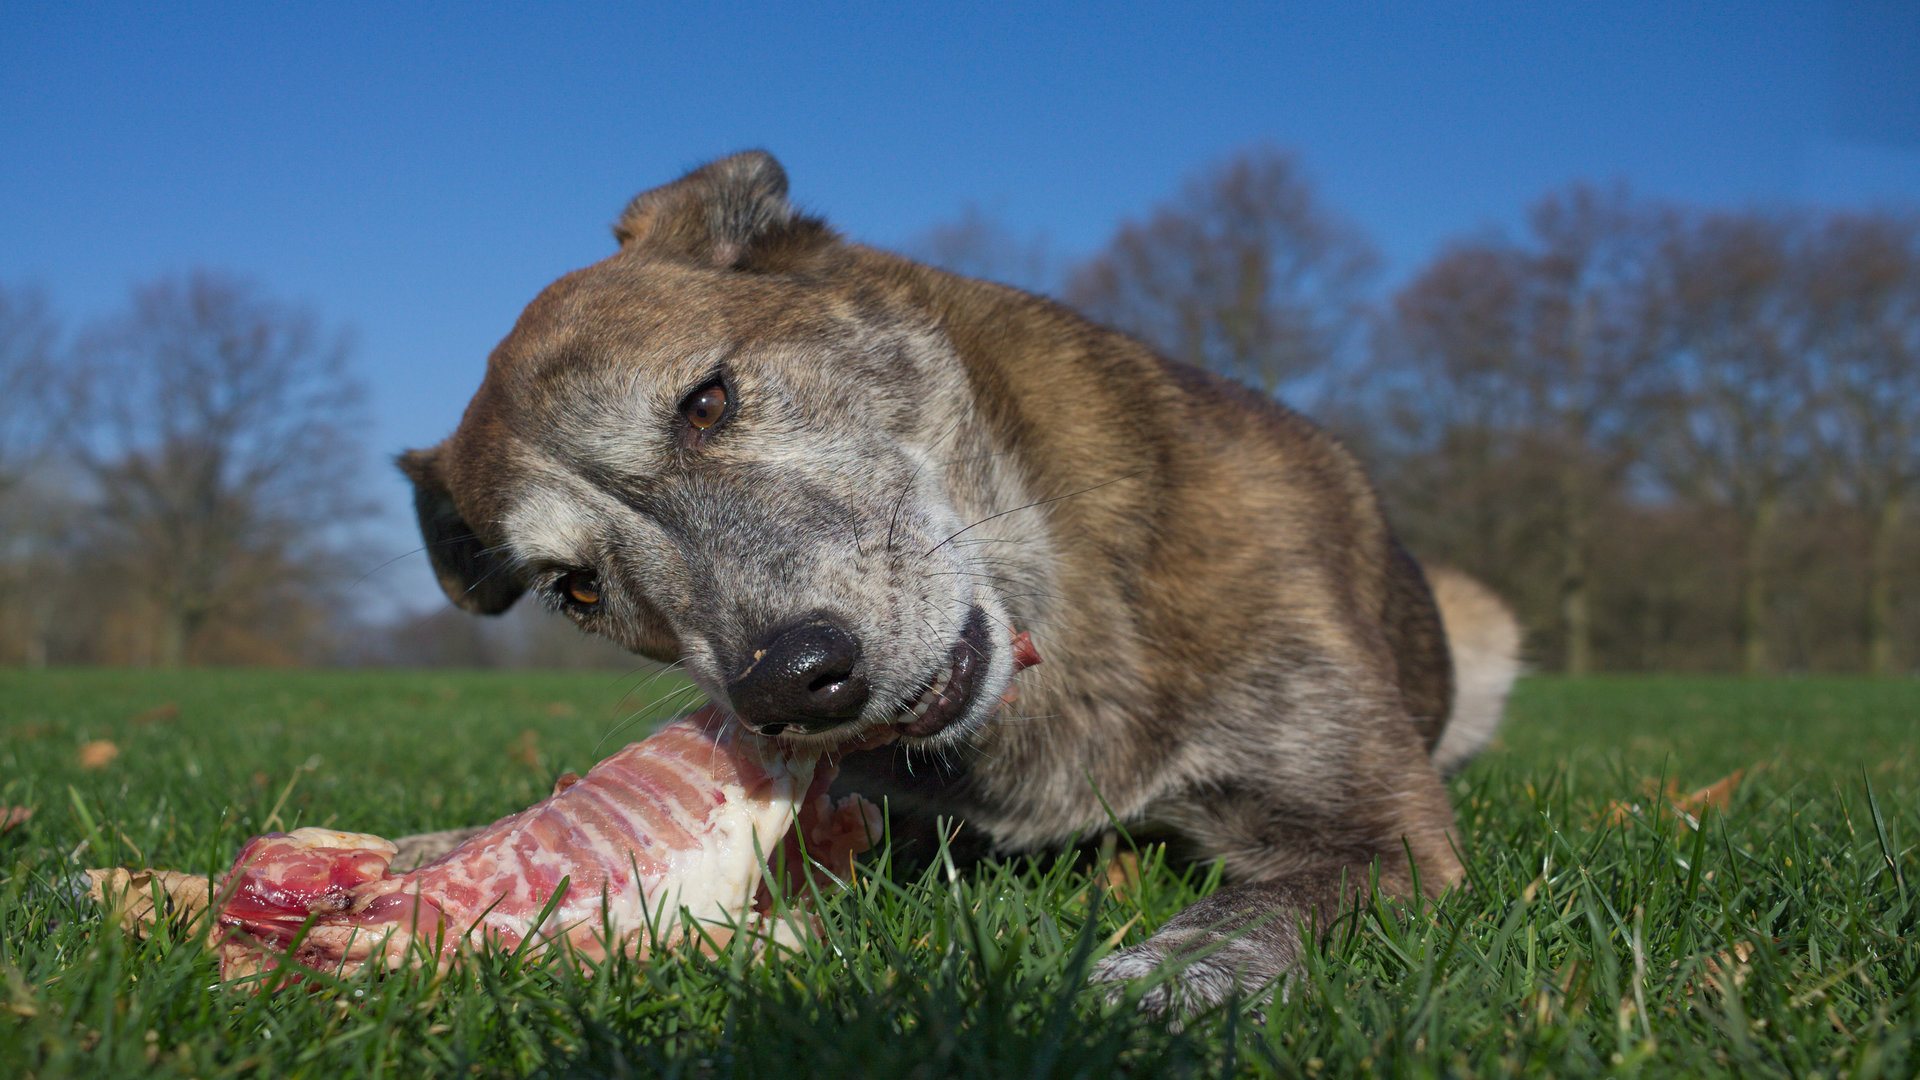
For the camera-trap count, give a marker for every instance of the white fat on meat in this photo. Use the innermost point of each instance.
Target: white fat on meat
(682, 822)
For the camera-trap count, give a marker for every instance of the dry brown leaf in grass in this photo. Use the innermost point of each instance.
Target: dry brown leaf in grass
(12, 817)
(559, 708)
(1123, 872)
(128, 896)
(526, 749)
(1717, 796)
(98, 754)
(1650, 787)
(1617, 811)
(159, 714)
(1724, 969)
(1729, 966)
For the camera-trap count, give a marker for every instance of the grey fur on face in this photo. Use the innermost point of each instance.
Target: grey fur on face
(840, 485)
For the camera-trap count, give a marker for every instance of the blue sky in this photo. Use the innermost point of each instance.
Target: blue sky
(418, 173)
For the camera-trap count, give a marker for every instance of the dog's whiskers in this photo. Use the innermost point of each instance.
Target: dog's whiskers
(671, 701)
(1030, 506)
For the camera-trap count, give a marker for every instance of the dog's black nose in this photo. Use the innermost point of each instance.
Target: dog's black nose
(804, 674)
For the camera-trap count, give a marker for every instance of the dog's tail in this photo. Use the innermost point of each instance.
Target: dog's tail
(1484, 639)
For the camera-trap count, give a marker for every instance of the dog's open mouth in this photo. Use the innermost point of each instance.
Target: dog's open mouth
(950, 693)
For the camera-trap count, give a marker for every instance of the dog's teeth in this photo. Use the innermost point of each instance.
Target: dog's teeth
(929, 697)
(919, 707)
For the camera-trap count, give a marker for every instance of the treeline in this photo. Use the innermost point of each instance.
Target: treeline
(178, 481)
(1678, 438)
(181, 482)
(1674, 437)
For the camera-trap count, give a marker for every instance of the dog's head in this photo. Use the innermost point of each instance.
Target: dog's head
(713, 449)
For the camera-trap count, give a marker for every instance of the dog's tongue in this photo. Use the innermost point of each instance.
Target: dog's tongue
(1024, 657)
(1024, 654)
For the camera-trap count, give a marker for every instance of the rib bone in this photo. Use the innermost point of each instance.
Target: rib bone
(677, 827)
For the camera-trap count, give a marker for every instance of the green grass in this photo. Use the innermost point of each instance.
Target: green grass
(1778, 939)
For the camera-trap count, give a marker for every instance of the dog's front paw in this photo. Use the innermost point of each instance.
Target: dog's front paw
(1191, 972)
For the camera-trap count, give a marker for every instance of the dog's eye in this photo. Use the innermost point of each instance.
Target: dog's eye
(706, 406)
(581, 588)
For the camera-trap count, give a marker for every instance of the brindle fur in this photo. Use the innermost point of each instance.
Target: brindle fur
(1238, 654)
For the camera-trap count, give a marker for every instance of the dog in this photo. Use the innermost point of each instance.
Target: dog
(836, 487)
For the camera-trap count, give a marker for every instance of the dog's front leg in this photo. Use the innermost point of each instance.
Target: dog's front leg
(1244, 939)
(1287, 882)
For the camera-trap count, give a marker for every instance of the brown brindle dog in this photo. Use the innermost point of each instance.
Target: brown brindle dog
(834, 485)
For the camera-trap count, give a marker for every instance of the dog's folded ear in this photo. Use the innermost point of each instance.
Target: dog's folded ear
(471, 578)
(731, 213)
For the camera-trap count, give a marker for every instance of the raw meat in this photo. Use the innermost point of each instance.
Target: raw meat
(674, 828)
(683, 821)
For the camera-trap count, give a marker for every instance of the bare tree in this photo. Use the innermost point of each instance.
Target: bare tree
(31, 514)
(1246, 273)
(1436, 411)
(1738, 430)
(1592, 324)
(27, 418)
(979, 244)
(1863, 291)
(220, 439)
(1537, 353)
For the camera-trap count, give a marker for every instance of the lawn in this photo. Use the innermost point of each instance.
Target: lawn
(1765, 926)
